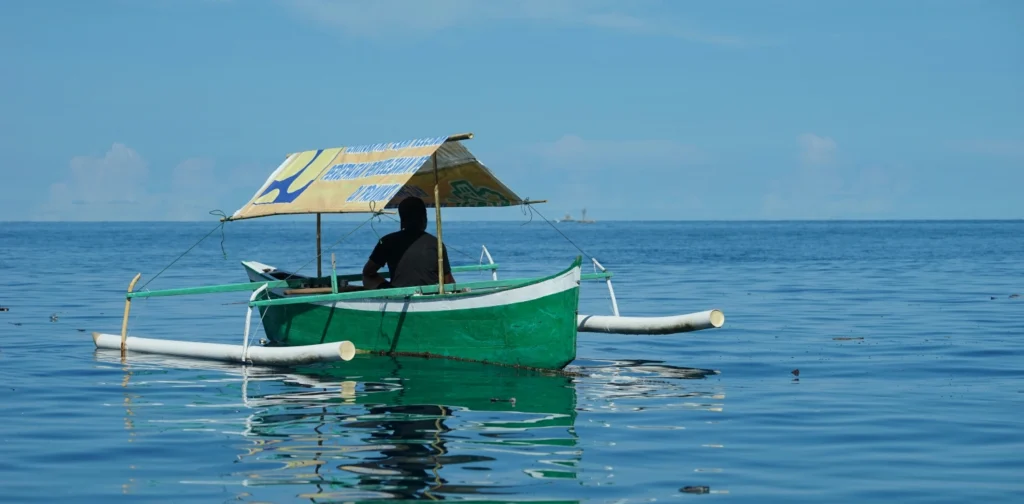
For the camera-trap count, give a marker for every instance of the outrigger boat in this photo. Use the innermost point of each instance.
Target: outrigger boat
(527, 322)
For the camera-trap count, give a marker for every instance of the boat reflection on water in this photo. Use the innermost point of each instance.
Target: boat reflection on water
(386, 427)
(407, 428)
(420, 419)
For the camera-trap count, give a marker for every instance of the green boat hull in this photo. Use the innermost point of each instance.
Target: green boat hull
(531, 324)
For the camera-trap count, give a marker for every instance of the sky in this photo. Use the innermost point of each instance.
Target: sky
(653, 110)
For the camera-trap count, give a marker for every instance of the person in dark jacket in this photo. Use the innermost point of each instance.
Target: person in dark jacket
(410, 253)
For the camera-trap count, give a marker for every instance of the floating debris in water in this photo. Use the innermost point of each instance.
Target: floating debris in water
(796, 372)
(845, 338)
(695, 489)
(81, 330)
(991, 297)
(14, 323)
(4, 308)
(1013, 296)
(53, 317)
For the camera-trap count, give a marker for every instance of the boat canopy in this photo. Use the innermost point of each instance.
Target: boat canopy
(370, 178)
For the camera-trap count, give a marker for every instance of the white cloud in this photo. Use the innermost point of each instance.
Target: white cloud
(652, 178)
(111, 187)
(386, 18)
(816, 150)
(822, 187)
(115, 187)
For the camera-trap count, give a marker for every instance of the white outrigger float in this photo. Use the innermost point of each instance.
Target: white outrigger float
(527, 322)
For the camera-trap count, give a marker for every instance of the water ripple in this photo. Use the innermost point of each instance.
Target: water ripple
(859, 362)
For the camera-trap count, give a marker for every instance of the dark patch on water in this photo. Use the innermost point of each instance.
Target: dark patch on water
(695, 489)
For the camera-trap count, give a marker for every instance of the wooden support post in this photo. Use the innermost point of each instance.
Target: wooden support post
(127, 309)
(437, 217)
(319, 272)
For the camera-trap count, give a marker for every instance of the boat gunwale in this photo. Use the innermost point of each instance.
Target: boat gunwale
(348, 277)
(401, 293)
(271, 283)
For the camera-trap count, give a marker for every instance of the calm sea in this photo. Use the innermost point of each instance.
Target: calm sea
(907, 337)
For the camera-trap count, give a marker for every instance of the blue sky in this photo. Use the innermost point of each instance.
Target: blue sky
(161, 109)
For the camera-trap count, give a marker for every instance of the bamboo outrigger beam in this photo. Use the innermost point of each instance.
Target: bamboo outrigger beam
(273, 356)
(673, 324)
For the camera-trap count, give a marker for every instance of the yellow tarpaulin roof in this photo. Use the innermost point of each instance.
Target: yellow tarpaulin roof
(370, 178)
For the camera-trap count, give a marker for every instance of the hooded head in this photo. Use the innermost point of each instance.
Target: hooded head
(413, 214)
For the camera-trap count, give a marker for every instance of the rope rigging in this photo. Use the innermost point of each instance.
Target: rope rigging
(529, 209)
(220, 225)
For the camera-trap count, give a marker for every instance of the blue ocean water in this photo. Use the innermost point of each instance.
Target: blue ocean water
(907, 337)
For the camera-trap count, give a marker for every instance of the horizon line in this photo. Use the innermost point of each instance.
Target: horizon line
(293, 219)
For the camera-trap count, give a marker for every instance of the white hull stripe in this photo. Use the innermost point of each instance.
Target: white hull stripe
(556, 285)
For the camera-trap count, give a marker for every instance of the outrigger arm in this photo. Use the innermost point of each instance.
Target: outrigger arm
(616, 324)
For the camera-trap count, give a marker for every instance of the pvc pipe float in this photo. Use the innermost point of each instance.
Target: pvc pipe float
(650, 325)
(272, 356)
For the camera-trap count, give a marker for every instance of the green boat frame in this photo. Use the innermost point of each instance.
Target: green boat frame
(524, 322)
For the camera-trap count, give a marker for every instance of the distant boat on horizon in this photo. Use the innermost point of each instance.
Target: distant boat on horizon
(583, 220)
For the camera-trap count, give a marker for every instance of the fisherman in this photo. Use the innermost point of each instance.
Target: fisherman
(410, 254)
